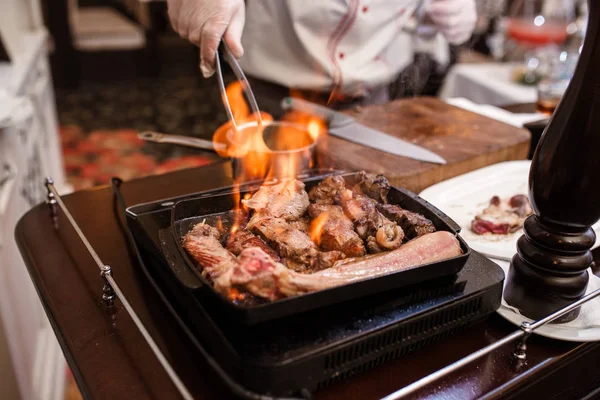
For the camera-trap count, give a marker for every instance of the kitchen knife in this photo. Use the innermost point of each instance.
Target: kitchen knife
(346, 127)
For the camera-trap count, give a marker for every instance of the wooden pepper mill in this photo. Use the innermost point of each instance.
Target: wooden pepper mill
(549, 270)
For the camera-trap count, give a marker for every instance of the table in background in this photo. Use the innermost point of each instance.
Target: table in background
(486, 83)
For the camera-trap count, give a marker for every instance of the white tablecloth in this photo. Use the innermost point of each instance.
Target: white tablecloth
(488, 83)
(496, 113)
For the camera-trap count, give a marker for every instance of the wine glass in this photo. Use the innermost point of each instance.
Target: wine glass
(539, 27)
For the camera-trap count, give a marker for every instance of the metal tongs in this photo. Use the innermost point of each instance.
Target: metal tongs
(239, 74)
(158, 137)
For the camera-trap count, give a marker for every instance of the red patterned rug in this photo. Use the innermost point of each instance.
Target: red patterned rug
(91, 159)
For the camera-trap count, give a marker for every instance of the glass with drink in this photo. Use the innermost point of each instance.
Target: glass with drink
(539, 27)
(554, 85)
(549, 95)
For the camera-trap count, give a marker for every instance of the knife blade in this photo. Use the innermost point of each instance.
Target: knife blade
(346, 127)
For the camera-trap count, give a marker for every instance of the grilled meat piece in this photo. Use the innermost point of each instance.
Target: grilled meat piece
(362, 212)
(372, 245)
(243, 239)
(202, 243)
(257, 217)
(388, 237)
(333, 230)
(260, 275)
(373, 186)
(327, 190)
(413, 224)
(287, 200)
(327, 259)
(369, 222)
(203, 229)
(292, 244)
(335, 212)
(302, 224)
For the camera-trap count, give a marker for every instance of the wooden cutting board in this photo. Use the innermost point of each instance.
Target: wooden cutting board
(466, 140)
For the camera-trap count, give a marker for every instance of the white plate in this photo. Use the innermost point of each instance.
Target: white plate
(586, 328)
(462, 197)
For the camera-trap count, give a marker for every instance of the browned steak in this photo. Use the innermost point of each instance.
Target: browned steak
(369, 222)
(412, 223)
(287, 200)
(327, 259)
(374, 186)
(333, 230)
(327, 190)
(292, 244)
(243, 239)
(202, 243)
(302, 224)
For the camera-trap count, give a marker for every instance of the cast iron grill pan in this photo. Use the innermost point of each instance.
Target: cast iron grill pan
(186, 213)
(281, 358)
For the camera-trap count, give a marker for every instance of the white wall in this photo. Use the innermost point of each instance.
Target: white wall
(30, 357)
(14, 22)
(8, 383)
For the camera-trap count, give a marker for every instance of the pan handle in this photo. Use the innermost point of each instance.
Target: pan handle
(157, 137)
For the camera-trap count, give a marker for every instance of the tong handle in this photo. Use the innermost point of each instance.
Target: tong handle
(223, 51)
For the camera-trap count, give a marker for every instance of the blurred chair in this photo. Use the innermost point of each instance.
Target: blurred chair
(90, 42)
(103, 29)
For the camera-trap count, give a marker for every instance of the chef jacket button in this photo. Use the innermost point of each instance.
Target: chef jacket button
(341, 55)
(365, 9)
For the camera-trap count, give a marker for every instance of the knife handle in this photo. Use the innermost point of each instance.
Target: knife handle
(292, 103)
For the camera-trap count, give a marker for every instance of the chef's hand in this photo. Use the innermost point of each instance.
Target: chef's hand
(205, 22)
(455, 19)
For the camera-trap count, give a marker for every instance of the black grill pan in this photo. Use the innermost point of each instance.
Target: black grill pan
(186, 213)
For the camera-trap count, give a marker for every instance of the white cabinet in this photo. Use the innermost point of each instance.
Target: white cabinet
(29, 151)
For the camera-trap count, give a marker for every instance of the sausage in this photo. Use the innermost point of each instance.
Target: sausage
(257, 273)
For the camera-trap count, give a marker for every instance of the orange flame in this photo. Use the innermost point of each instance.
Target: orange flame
(219, 224)
(235, 294)
(315, 126)
(249, 147)
(316, 227)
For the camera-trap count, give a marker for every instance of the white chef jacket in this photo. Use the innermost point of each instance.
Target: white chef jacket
(351, 46)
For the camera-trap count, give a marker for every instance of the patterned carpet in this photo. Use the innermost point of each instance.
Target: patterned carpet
(92, 158)
(100, 120)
